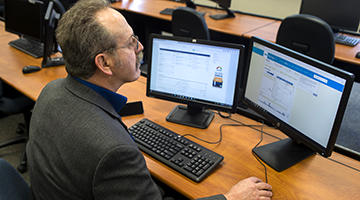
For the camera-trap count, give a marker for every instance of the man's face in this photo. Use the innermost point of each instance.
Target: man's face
(128, 54)
(128, 59)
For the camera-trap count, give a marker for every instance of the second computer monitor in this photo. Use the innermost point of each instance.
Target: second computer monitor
(301, 96)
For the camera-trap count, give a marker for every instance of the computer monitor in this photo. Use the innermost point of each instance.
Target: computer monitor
(202, 74)
(340, 15)
(50, 45)
(303, 97)
(189, 3)
(225, 4)
(25, 18)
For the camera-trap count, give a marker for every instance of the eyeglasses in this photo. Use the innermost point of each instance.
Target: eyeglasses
(134, 42)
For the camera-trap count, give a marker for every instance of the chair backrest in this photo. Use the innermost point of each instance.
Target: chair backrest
(12, 185)
(309, 35)
(59, 7)
(187, 22)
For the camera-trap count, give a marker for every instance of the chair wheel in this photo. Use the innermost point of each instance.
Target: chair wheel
(22, 168)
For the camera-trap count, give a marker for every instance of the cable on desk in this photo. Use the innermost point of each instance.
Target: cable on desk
(252, 126)
(261, 139)
(223, 116)
(206, 140)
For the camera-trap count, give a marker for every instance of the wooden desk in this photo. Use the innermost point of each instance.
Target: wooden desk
(12, 61)
(313, 178)
(234, 26)
(242, 25)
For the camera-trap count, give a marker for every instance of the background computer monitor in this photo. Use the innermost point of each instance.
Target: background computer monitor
(190, 4)
(50, 45)
(199, 73)
(302, 97)
(225, 4)
(25, 18)
(340, 15)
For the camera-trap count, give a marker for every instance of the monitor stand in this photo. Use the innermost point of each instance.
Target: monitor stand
(51, 62)
(191, 116)
(229, 14)
(283, 154)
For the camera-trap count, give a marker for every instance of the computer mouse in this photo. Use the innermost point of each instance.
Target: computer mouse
(30, 68)
(357, 55)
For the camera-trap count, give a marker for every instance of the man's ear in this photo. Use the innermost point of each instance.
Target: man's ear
(103, 62)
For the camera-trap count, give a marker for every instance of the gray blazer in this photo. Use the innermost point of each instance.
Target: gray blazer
(80, 149)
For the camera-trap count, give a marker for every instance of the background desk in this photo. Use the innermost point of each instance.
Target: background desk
(235, 26)
(144, 17)
(12, 61)
(313, 178)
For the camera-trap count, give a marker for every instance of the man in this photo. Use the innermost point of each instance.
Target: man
(79, 148)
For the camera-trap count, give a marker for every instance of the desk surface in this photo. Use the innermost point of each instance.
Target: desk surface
(234, 26)
(313, 178)
(12, 61)
(241, 25)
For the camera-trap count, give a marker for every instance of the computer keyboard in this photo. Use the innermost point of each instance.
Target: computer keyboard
(181, 154)
(346, 40)
(33, 48)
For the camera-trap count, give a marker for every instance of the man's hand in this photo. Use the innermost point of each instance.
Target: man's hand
(250, 188)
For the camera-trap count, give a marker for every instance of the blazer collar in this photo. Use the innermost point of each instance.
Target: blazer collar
(89, 95)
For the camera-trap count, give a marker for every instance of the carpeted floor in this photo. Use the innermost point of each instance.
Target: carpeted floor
(349, 133)
(12, 153)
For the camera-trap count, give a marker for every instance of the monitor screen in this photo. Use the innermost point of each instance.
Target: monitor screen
(25, 18)
(303, 97)
(339, 14)
(199, 73)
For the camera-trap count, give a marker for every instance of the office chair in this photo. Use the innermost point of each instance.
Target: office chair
(12, 185)
(13, 102)
(187, 22)
(2, 10)
(309, 35)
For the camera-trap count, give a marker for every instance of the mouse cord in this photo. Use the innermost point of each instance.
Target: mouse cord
(261, 139)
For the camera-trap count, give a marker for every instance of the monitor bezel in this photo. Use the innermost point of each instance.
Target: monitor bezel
(189, 102)
(292, 133)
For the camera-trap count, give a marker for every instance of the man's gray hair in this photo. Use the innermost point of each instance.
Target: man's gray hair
(81, 37)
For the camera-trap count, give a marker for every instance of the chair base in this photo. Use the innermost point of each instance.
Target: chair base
(22, 167)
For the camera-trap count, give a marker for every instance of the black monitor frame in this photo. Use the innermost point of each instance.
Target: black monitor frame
(190, 4)
(25, 20)
(340, 15)
(50, 45)
(225, 4)
(195, 114)
(285, 153)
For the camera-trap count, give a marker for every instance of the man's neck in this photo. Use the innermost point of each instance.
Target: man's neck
(104, 82)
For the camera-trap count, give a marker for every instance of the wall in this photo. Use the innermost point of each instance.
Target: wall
(272, 8)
